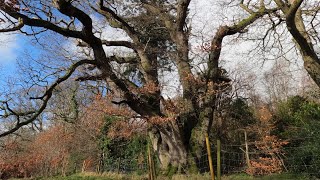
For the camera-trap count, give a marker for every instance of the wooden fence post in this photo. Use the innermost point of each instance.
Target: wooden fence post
(209, 157)
(218, 159)
(119, 164)
(247, 149)
(151, 164)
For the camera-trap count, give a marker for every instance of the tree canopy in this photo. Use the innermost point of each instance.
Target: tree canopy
(157, 38)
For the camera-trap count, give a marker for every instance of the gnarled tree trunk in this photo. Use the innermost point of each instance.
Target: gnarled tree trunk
(168, 143)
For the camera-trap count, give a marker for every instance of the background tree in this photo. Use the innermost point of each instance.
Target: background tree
(299, 117)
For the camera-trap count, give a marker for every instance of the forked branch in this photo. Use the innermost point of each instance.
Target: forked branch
(32, 115)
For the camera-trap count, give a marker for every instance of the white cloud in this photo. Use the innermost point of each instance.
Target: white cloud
(170, 84)
(8, 48)
(8, 44)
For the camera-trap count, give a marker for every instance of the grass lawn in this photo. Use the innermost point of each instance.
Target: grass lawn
(114, 176)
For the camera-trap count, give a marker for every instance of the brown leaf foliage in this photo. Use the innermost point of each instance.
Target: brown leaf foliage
(268, 159)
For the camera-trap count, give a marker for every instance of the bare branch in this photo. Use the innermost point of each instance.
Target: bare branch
(107, 12)
(46, 97)
(246, 8)
(126, 44)
(118, 43)
(182, 12)
(293, 29)
(15, 28)
(120, 102)
(122, 60)
(12, 112)
(66, 8)
(90, 78)
(282, 5)
(44, 24)
(223, 31)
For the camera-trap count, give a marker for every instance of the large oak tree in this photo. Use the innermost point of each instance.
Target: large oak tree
(158, 35)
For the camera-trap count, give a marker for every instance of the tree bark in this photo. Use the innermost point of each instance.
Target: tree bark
(169, 143)
(301, 38)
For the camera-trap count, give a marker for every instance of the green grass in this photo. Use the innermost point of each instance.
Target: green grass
(114, 176)
(95, 176)
(286, 176)
(283, 176)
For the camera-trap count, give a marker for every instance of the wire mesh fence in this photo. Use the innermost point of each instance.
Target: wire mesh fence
(293, 158)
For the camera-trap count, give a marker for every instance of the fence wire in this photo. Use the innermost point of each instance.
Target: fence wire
(295, 158)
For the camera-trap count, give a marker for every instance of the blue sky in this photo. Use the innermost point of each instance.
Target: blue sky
(12, 47)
